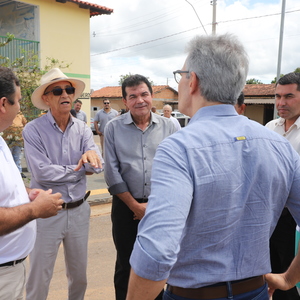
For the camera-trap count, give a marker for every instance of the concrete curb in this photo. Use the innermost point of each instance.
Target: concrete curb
(99, 201)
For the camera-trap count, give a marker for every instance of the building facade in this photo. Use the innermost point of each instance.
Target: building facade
(58, 29)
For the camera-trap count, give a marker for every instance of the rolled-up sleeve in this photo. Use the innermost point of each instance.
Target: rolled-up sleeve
(113, 178)
(161, 230)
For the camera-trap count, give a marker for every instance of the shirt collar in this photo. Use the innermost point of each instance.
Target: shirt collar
(297, 123)
(214, 110)
(53, 122)
(280, 122)
(128, 118)
(1, 142)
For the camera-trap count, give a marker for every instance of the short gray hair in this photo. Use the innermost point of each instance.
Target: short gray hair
(221, 65)
(168, 106)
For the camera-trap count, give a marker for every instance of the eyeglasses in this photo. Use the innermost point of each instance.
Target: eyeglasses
(106, 102)
(58, 91)
(177, 75)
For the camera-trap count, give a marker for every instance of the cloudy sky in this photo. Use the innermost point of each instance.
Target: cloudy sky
(149, 36)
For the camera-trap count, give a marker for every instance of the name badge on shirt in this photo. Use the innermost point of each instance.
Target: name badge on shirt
(240, 138)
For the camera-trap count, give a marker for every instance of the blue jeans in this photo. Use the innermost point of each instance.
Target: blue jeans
(258, 294)
(16, 153)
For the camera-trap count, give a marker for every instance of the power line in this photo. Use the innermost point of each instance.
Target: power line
(146, 42)
(165, 17)
(136, 24)
(181, 32)
(257, 17)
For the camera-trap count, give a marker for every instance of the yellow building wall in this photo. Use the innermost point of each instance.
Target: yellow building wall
(64, 31)
(255, 113)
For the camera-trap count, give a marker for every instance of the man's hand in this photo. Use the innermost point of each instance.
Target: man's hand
(45, 204)
(278, 281)
(32, 193)
(139, 211)
(137, 208)
(91, 157)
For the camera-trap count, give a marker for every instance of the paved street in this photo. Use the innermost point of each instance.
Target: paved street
(100, 264)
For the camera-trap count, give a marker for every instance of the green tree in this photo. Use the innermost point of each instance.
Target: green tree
(29, 73)
(9, 38)
(123, 77)
(297, 70)
(275, 78)
(253, 81)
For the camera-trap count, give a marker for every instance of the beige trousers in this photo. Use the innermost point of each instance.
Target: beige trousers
(12, 282)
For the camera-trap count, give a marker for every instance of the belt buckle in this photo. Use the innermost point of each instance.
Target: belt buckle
(64, 206)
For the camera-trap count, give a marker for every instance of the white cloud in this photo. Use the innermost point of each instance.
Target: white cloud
(170, 24)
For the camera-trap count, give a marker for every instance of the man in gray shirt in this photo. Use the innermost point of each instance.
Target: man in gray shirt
(131, 140)
(81, 115)
(103, 116)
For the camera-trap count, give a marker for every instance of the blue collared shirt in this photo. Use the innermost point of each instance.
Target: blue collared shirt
(218, 187)
(52, 155)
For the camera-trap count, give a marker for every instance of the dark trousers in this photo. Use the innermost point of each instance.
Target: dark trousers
(124, 230)
(282, 250)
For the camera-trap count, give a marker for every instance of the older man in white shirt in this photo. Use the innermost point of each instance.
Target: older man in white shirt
(167, 110)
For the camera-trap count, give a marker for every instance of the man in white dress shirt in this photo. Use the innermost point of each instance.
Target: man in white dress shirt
(167, 110)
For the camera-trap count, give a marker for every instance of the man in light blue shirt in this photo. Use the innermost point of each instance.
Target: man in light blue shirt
(218, 187)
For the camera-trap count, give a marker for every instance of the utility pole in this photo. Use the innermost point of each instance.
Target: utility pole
(280, 50)
(214, 19)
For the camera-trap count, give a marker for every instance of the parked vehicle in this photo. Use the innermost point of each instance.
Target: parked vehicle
(182, 118)
(93, 126)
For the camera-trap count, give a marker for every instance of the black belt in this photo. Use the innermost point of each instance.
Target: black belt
(219, 291)
(141, 200)
(76, 203)
(13, 263)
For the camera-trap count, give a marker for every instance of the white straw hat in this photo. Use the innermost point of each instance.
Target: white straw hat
(54, 75)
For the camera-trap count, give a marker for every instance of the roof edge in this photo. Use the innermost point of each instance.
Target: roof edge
(95, 9)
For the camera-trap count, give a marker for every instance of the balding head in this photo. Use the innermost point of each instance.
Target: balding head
(167, 110)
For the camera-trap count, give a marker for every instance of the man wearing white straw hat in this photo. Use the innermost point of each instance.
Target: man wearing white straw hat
(60, 151)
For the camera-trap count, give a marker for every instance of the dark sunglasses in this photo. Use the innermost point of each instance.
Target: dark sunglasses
(58, 91)
(106, 102)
